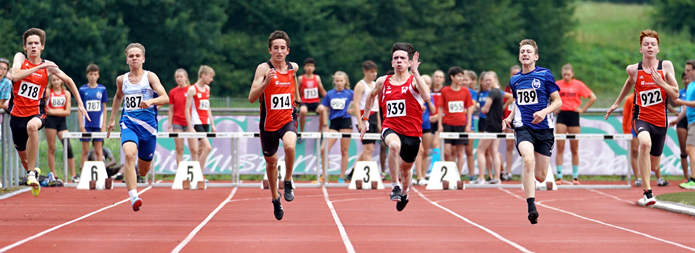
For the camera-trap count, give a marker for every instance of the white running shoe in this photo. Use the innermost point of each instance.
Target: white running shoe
(648, 201)
(422, 182)
(480, 181)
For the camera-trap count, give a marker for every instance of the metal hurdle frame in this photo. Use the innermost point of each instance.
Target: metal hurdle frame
(11, 169)
(478, 136)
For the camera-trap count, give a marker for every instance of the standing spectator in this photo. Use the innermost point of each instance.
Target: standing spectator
(58, 108)
(94, 97)
(177, 116)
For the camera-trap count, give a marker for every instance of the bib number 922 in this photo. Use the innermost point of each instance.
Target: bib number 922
(650, 97)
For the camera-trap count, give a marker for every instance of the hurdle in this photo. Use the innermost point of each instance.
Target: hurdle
(510, 136)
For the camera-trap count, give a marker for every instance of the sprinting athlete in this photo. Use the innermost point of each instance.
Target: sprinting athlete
(27, 103)
(136, 90)
(537, 97)
(275, 85)
(198, 111)
(572, 90)
(649, 113)
(402, 128)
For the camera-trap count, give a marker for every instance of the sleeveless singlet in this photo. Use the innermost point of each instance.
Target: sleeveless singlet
(133, 116)
(56, 101)
(403, 108)
(650, 99)
(277, 100)
(363, 100)
(28, 94)
(309, 90)
(201, 104)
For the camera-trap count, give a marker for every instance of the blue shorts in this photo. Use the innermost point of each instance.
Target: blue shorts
(92, 130)
(146, 143)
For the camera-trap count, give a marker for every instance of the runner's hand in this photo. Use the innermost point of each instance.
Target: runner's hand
(365, 127)
(145, 104)
(672, 123)
(415, 63)
(81, 109)
(657, 78)
(610, 110)
(538, 117)
(110, 127)
(506, 124)
(269, 76)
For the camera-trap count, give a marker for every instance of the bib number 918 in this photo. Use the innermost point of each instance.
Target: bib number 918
(29, 90)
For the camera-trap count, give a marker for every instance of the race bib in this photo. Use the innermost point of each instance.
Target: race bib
(280, 102)
(395, 108)
(204, 105)
(58, 102)
(132, 102)
(651, 97)
(29, 90)
(527, 97)
(456, 107)
(310, 93)
(94, 105)
(338, 104)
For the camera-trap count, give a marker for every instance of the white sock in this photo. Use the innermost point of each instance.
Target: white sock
(395, 184)
(133, 194)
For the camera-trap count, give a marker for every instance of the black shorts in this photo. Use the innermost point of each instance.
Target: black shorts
(311, 107)
(340, 123)
(683, 123)
(657, 134)
(202, 129)
(270, 140)
(482, 123)
(569, 118)
(373, 128)
(542, 139)
(19, 129)
(455, 129)
(434, 127)
(57, 123)
(410, 145)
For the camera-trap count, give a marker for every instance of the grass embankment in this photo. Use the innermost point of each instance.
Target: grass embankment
(686, 198)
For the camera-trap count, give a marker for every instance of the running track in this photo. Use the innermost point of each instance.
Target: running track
(241, 220)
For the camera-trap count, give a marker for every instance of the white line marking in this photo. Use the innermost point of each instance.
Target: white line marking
(608, 195)
(15, 193)
(200, 226)
(513, 244)
(9, 247)
(610, 225)
(343, 234)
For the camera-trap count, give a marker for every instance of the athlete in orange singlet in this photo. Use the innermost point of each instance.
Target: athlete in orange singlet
(649, 112)
(275, 84)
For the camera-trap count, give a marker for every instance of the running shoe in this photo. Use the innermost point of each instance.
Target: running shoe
(413, 181)
(507, 177)
(341, 181)
(76, 179)
(638, 182)
(533, 216)
(401, 205)
(494, 181)
(662, 182)
(136, 203)
(396, 194)
(277, 209)
(383, 176)
(473, 179)
(648, 201)
(575, 181)
(690, 185)
(558, 181)
(422, 182)
(31, 181)
(479, 181)
(289, 191)
(299, 140)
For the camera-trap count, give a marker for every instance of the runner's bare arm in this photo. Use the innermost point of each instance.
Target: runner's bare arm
(116, 106)
(156, 85)
(670, 85)
(190, 93)
(592, 99)
(555, 105)
(261, 80)
(440, 127)
(627, 87)
(71, 86)
(68, 104)
(469, 115)
(171, 117)
(680, 117)
(359, 89)
(507, 122)
(18, 73)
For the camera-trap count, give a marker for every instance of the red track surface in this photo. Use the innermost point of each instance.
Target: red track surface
(246, 223)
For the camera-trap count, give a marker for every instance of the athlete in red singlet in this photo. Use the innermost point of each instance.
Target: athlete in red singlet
(275, 85)
(27, 105)
(649, 112)
(198, 112)
(402, 97)
(309, 90)
(58, 108)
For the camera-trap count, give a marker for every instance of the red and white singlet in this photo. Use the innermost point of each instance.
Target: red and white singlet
(201, 104)
(402, 108)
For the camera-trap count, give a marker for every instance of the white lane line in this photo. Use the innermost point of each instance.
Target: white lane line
(15, 193)
(202, 224)
(608, 195)
(513, 244)
(343, 234)
(9, 247)
(607, 224)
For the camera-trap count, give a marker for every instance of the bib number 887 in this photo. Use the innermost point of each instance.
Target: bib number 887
(131, 102)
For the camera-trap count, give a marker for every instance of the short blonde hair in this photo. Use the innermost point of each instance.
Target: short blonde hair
(134, 45)
(532, 43)
(205, 69)
(343, 74)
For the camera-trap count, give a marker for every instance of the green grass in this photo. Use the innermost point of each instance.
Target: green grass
(686, 198)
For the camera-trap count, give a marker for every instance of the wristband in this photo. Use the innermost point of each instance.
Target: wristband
(365, 118)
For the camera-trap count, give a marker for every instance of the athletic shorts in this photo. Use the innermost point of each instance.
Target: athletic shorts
(683, 123)
(311, 107)
(482, 123)
(434, 125)
(340, 123)
(270, 140)
(179, 127)
(19, 129)
(57, 123)
(542, 139)
(410, 145)
(455, 129)
(569, 118)
(373, 128)
(657, 135)
(91, 130)
(691, 135)
(202, 129)
(146, 142)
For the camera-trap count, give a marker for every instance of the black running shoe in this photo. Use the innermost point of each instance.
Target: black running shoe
(533, 216)
(401, 205)
(396, 194)
(289, 191)
(277, 209)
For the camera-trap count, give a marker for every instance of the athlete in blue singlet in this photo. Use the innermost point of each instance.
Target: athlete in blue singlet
(141, 92)
(533, 88)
